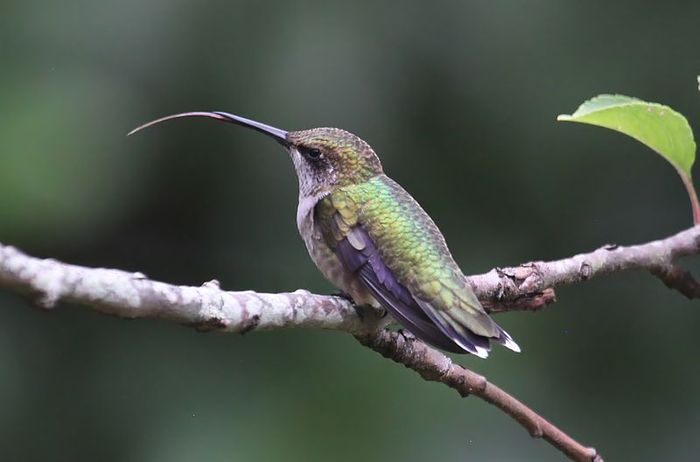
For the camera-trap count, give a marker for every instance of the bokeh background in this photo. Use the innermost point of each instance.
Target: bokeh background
(459, 99)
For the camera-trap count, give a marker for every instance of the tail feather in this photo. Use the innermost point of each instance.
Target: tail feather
(473, 343)
(466, 339)
(506, 340)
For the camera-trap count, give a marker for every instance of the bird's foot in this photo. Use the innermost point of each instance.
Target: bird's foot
(361, 311)
(368, 311)
(364, 311)
(407, 335)
(344, 296)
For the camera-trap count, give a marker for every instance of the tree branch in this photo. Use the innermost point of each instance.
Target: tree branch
(528, 286)
(503, 287)
(132, 295)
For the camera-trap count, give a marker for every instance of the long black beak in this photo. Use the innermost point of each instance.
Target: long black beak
(277, 134)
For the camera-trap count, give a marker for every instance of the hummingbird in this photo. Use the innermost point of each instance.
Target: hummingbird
(373, 241)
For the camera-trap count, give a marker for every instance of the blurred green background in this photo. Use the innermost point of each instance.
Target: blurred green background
(459, 99)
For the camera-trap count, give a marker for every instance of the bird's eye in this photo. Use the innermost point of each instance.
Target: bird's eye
(311, 153)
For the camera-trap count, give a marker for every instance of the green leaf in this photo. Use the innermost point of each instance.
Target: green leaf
(661, 128)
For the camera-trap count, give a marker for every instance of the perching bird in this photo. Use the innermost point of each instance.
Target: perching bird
(373, 241)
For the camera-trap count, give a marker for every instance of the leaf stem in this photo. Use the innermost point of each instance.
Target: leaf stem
(688, 182)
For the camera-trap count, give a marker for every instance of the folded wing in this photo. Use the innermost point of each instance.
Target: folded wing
(358, 253)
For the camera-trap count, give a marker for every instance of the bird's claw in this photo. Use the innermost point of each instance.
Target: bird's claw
(344, 296)
(362, 310)
(406, 334)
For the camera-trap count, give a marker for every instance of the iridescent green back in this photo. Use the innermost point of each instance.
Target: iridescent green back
(408, 241)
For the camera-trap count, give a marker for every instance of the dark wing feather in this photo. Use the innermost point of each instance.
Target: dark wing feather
(462, 336)
(406, 315)
(358, 253)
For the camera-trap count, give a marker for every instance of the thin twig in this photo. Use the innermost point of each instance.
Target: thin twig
(692, 195)
(434, 366)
